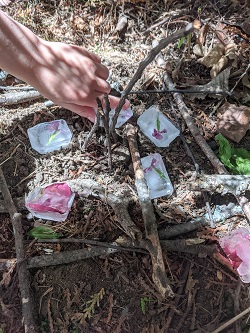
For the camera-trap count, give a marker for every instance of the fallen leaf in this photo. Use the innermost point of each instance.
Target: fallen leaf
(233, 121)
(219, 57)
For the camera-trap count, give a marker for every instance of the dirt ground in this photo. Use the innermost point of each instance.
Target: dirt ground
(119, 285)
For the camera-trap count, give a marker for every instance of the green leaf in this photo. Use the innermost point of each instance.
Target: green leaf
(182, 40)
(160, 173)
(143, 303)
(237, 160)
(1, 331)
(158, 123)
(52, 137)
(43, 233)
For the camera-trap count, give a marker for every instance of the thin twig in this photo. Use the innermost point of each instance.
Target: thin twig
(27, 307)
(106, 127)
(152, 243)
(231, 321)
(92, 131)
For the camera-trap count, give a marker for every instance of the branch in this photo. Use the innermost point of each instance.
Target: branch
(152, 244)
(234, 184)
(149, 58)
(19, 97)
(27, 307)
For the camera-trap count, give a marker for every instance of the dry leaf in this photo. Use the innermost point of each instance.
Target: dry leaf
(233, 121)
(218, 58)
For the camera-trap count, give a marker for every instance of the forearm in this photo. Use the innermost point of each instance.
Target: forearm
(18, 48)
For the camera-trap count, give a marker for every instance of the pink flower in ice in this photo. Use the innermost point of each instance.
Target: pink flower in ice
(157, 134)
(153, 164)
(53, 198)
(237, 248)
(53, 126)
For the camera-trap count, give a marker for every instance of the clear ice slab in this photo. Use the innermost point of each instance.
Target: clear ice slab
(156, 176)
(49, 136)
(157, 127)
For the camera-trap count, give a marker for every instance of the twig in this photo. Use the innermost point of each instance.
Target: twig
(22, 88)
(231, 321)
(19, 97)
(149, 58)
(92, 242)
(92, 131)
(29, 323)
(152, 243)
(234, 184)
(179, 229)
(68, 257)
(180, 290)
(180, 91)
(183, 245)
(106, 127)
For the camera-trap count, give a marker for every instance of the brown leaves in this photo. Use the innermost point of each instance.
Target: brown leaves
(219, 57)
(233, 121)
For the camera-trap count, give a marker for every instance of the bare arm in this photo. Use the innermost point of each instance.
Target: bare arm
(68, 75)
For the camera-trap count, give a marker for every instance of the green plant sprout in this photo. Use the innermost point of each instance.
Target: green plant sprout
(92, 303)
(144, 301)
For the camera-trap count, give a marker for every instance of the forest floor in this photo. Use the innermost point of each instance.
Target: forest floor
(206, 293)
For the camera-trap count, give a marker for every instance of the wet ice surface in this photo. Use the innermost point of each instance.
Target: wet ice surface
(157, 127)
(49, 136)
(156, 176)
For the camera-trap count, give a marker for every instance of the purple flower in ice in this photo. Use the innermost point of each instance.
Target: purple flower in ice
(53, 127)
(153, 164)
(157, 134)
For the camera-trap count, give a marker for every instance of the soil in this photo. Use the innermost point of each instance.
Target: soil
(119, 285)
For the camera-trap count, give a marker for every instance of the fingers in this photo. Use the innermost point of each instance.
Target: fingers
(83, 111)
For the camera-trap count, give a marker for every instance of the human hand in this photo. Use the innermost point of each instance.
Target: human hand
(71, 77)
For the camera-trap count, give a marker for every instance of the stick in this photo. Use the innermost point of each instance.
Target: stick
(19, 97)
(149, 58)
(235, 184)
(231, 321)
(27, 308)
(92, 131)
(152, 243)
(67, 257)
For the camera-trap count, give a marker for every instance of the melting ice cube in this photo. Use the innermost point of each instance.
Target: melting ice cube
(52, 202)
(157, 127)
(156, 176)
(49, 136)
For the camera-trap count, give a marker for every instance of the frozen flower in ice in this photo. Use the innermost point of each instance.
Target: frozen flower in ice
(52, 198)
(53, 127)
(157, 132)
(152, 166)
(237, 248)
(154, 162)
(158, 135)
